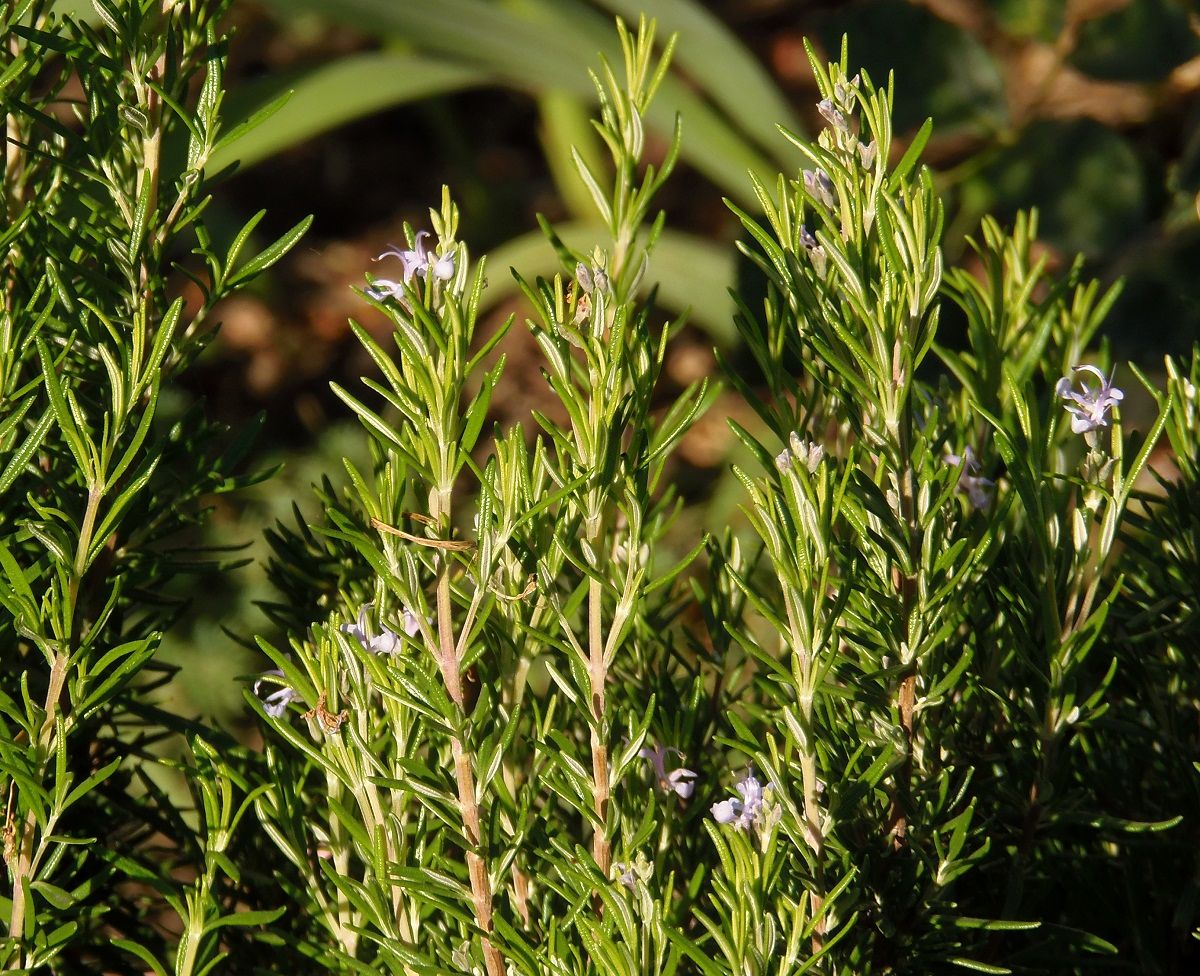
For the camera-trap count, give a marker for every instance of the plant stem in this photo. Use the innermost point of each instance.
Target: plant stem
(148, 176)
(23, 865)
(906, 585)
(598, 671)
(802, 646)
(464, 774)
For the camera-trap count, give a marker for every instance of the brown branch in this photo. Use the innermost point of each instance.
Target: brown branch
(601, 848)
(464, 775)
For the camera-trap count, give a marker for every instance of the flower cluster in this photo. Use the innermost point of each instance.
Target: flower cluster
(386, 641)
(629, 873)
(799, 452)
(1089, 409)
(414, 261)
(838, 113)
(746, 812)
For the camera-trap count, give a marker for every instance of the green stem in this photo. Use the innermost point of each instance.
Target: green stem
(598, 672)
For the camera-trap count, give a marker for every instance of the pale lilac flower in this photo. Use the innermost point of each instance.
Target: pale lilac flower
(414, 260)
(843, 93)
(979, 490)
(276, 703)
(1089, 409)
(591, 278)
(624, 874)
(744, 813)
(819, 186)
(384, 288)
(442, 268)
(680, 781)
(832, 115)
(867, 153)
(387, 641)
(816, 253)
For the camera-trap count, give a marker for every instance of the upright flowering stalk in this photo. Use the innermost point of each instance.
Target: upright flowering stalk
(603, 365)
(435, 316)
(859, 510)
(863, 287)
(391, 703)
(1075, 519)
(795, 512)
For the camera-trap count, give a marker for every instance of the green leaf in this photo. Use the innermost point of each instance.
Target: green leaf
(911, 155)
(66, 420)
(54, 895)
(132, 656)
(258, 264)
(979, 967)
(244, 919)
(91, 783)
(20, 457)
(144, 954)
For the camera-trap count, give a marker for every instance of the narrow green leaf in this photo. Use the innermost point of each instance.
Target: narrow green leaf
(257, 265)
(20, 457)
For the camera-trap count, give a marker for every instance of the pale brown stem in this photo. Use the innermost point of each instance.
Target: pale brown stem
(521, 893)
(464, 774)
(148, 177)
(481, 888)
(898, 819)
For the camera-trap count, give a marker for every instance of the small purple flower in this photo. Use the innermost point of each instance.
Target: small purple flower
(867, 154)
(819, 186)
(382, 289)
(832, 115)
(387, 641)
(744, 813)
(680, 781)
(1089, 409)
(624, 874)
(979, 490)
(276, 703)
(414, 260)
(808, 239)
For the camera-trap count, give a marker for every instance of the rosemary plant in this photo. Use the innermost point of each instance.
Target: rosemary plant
(928, 708)
(103, 475)
(904, 676)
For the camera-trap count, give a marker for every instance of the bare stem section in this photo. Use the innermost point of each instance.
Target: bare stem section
(464, 775)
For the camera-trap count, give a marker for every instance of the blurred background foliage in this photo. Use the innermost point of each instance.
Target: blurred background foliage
(1088, 110)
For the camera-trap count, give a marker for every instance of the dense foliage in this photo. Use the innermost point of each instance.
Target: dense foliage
(933, 712)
